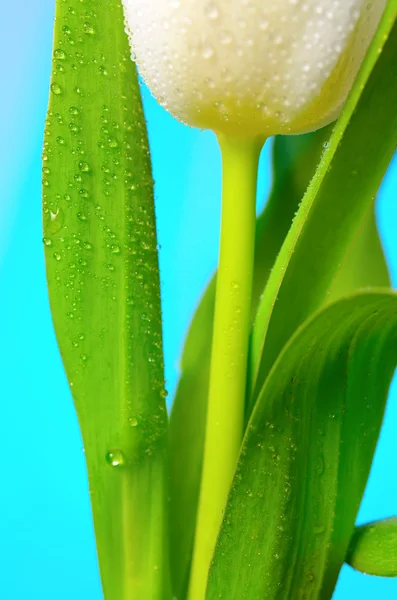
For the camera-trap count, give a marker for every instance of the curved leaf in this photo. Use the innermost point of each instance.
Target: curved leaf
(307, 454)
(337, 201)
(102, 269)
(373, 548)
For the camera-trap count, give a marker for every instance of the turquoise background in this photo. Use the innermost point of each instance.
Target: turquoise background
(46, 540)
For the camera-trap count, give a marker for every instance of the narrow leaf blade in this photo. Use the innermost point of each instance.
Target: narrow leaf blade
(102, 270)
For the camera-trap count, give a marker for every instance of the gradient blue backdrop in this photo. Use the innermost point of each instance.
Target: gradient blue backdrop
(46, 541)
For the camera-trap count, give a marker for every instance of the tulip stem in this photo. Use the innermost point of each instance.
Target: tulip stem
(225, 415)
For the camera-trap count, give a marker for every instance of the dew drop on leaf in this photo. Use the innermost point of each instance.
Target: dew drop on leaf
(56, 89)
(319, 529)
(56, 221)
(88, 28)
(115, 458)
(83, 166)
(59, 54)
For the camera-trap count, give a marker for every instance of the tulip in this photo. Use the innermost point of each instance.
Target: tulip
(247, 69)
(251, 67)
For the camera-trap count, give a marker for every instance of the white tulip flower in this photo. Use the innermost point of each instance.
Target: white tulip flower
(251, 67)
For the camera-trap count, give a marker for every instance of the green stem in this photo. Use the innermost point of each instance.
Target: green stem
(225, 416)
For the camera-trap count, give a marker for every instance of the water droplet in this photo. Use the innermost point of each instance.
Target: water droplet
(88, 28)
(56, 221)
(83, 166)
(47, 242)
(318, 529)
(60, 140)
(212, 11)
(74, 110)
(133, 421)
(207, 52)
(57, 256)
(115, 458)
(59, 54)
(115, 249)
(56, 89)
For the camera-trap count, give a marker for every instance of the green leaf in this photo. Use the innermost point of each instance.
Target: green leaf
(307, 454)
(364, 265)
(295, 159)
(337, 201)
(102, 269)
(373, 548)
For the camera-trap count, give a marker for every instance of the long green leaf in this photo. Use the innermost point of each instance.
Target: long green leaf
(335, 204)
(364, 265)
(307, 454)
(295, 159)
(102, 269)
(373, 548)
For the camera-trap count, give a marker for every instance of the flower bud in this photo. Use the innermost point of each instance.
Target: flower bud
(251, 67)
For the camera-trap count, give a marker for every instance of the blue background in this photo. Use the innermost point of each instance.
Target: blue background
(46, 540)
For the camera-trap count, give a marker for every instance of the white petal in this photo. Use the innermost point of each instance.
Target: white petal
(251, 66)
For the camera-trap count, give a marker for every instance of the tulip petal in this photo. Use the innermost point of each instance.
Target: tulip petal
(251, 68)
